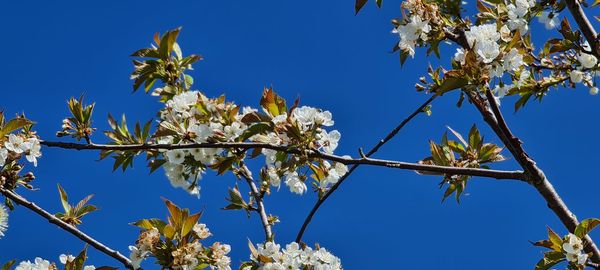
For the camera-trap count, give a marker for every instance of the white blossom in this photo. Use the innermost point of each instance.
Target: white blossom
(3, 220)
(516, 16)
(293, 257)
(176, 156)
(587, 60)
(3, 156)
(33, 146)
(576, 76)
(38, 264)
(549, 19)
(329, 141)
(460, 56)
(523, 77)
(137, 256)
(201, 231)
(411, 32)
(64, 258)
(594, 91)
(15, 144)
(292, 180)
(484, 40)
(513, 60)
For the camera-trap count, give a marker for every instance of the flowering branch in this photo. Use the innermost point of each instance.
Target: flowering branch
(497, 174)
(260, 206)
(379, 144)
(67, 227)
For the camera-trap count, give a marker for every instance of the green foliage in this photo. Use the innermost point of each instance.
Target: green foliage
(12, 125)
(163, 62)
(471, 153)
(79, 124)
(8, 265)
(73, 213)
(120, 135)
(237, 202)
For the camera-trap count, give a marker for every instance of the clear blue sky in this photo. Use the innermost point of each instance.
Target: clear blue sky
(380, 219)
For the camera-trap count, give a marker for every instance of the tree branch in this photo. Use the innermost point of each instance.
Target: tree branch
(516, 175)
(585, 25)
(536, 177)
(333, 188)
(67, 227)
(260, 206)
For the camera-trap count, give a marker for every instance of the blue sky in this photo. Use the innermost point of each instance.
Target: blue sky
(379, 219)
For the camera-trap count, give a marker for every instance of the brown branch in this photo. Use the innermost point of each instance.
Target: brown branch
(260, 206)
(585, 25)
(516, 175)
(536, 177)
(67, 227)
(333, 188)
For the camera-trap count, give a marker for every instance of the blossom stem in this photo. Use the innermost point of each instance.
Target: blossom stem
(260, 206)
(67, 227)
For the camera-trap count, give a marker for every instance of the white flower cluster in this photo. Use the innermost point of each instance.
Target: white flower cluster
(184, 112)
(587, 61)
(18, 144)
(37, 264)
(416, 26)
(411, 32)
(573, 248)
(66, 258)
(517, 13)
(309, 120)
(3, 220)
(485, 41)
(41, 264)
(143, 247)
(187, 257)
(270, 256)
(198, 119)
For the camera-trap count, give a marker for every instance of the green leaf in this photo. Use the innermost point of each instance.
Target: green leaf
(273, 103)
(14, 124)
(458, 136)
(254, 129)
(586, 226)
(550, 259)
(148, 224)
(475, 139)
(555, 240)
(64, 199)
(8, 265)
(78, 262)
(189, 223)
(522, 101)
(358, 5)
(380, 1)
(167, 42)
(449, 84)
(169, 231)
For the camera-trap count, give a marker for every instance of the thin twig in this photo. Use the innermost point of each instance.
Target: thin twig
(379, 144)
(67, 227)
(516, 175)
(260, 206)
